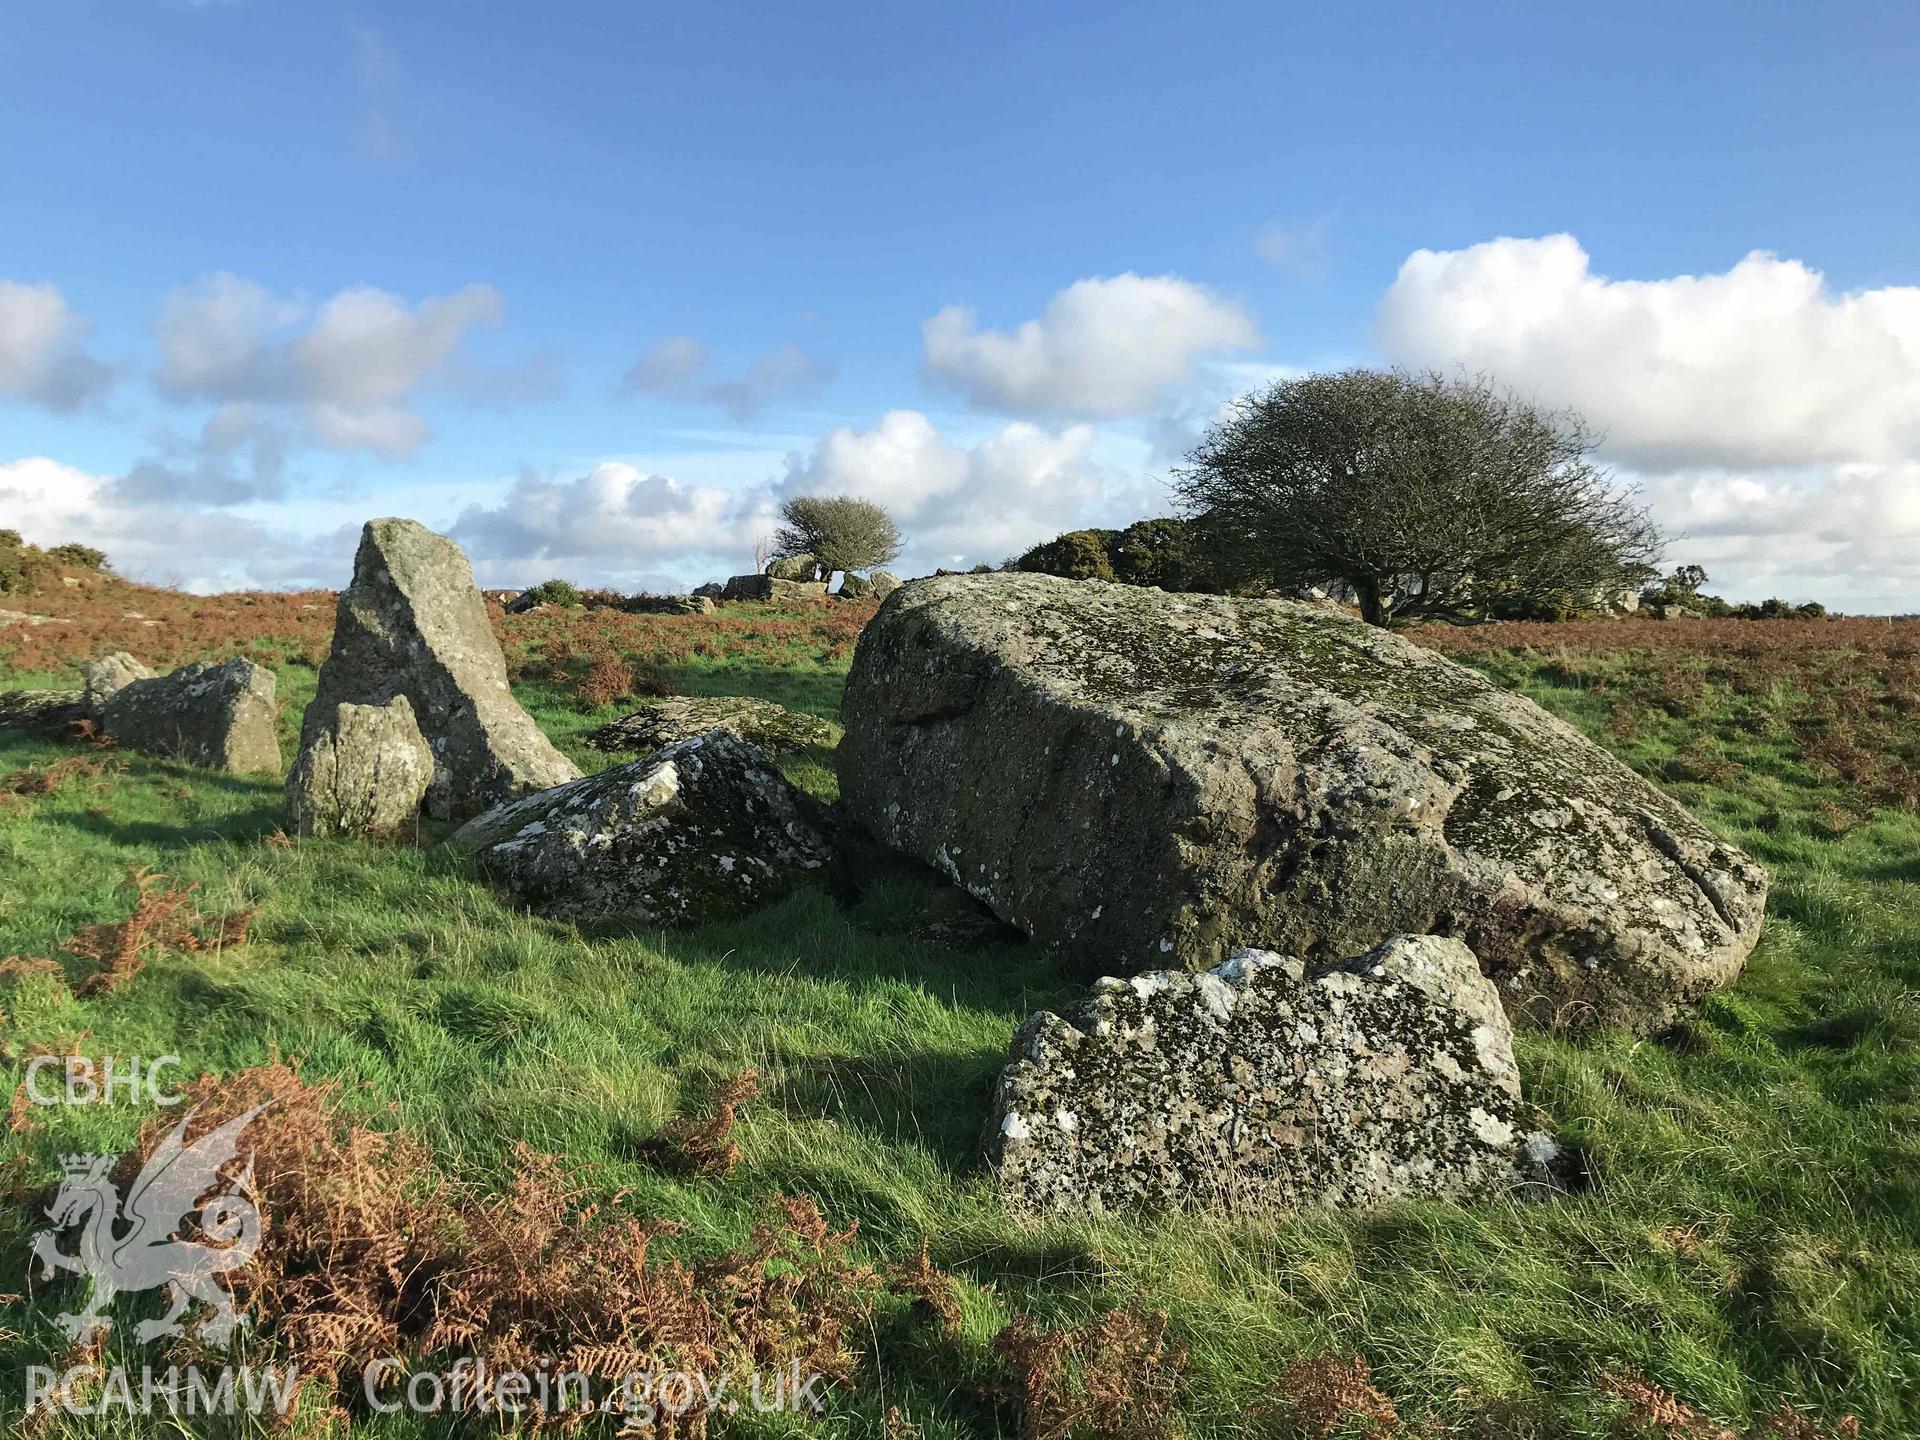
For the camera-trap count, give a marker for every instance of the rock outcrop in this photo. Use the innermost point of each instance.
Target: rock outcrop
(412, 624)
(1265, 1085)
(216, 714)
(1151, 778)
(703, 830)
(363, 774)
(102, 679)
(781, 592)
(673, 718)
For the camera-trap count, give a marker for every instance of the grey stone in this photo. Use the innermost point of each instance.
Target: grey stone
(412, 624)
(216, 714)
(703, 830)
(712, 590)
(54, 710)
(1265, 1085)
(854, 587)
(885, 582)
(101, 679)
(665, 721)
(794, 567)
(364, 774)
(1135, 776)
(767, 587)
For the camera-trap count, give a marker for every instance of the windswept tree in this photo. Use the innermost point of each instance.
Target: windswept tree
(842, 533)
(1426, 498)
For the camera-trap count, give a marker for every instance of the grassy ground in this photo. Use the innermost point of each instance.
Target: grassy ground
(1753, 1235)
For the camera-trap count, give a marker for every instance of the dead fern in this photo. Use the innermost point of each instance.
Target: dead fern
(702, 1144)
(1320, 1396)
(1114, 1378)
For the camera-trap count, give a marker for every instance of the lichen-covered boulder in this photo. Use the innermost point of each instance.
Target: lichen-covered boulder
(712, 590)
(364, 774)
(1143, 777)
(769, 587)
(672, 718)
(854, 587)
(884, 583)
(216, 714)
(50, 710)
(102, 679)
(703, 830)
(1265, 1085)
(412, 623)
(794, 567)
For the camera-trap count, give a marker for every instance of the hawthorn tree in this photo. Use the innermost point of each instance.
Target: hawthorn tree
(842, 533)
(1426, 498)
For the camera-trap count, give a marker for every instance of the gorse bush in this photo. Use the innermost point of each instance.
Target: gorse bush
(25, 568)
(553, 592)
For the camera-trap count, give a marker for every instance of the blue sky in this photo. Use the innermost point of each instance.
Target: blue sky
(594, 285)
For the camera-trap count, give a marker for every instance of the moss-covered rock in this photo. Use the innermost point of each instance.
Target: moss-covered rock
(672, 718)
(215, 714)
(1265, 1084)
(365, 774)
(1150, 778)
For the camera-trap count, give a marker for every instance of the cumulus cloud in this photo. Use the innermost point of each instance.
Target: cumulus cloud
(239, 455)
(962, 504)
(614, 523)
(1773, 423)
(669, 366)
(351, 368)
(1762, 365)
(1120, 345)
(42, 356)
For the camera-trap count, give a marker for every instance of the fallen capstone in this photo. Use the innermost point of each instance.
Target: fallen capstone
(1138, 777)
(673, 718)
(704, 830)
(102, 679)
(364, 774)
(794, 567)
(1266, 1085)
(771, 588)
(412, 623)
(216, 714)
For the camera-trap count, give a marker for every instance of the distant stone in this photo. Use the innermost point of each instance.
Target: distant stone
(365, 774)
(885, 582)
(667, 605)
(412, 624)
(673, 718)
(854, 587)
(216, 714)
(794, 567)
(21, 617)
(703, 830)
(102, 679)
(712, 590)
(768, 587)
(46, 710)
(1137, 777)
(1265, 1085)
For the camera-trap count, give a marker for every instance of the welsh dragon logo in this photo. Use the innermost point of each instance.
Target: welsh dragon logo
(131, 1244)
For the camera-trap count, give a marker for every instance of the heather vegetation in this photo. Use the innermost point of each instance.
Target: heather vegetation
(756, 1142)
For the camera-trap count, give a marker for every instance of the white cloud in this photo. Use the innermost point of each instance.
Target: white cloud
(41, 354)
(961, 504)
(351, 373)
(668, 368)
(615, 524)
(1300, 249)
(1120, 345)
(1759, 366)
(239, 456)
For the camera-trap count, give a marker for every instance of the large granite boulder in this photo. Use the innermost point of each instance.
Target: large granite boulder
(412, 624)
(1143, 777)
(703, 830)
(102, 679)
(1265, 1084)
(780, 592)
(794, 567)
(364, 774)
(216, 714)
(672, 718)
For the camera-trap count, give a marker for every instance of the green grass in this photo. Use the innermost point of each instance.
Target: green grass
(1754, 1231)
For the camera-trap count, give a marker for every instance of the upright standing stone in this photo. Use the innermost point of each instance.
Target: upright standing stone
(217, 714)
(365, 774)
(412, 623)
